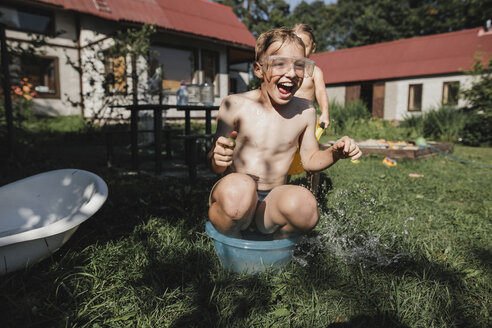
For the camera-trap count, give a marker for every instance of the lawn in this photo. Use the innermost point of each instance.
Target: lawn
(389, 251)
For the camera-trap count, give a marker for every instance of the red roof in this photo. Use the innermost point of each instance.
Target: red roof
(420, 56)
(199, 17)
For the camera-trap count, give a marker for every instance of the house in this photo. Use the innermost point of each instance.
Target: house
(197, 41)
(405, 77)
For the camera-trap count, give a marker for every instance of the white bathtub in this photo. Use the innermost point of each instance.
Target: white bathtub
(40, 213)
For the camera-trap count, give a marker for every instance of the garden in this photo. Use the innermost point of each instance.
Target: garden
(390, 250)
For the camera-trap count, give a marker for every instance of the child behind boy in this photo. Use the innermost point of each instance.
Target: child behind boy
(313, 87)
(256, 139)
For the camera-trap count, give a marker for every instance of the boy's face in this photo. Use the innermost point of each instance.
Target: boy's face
(282, 86)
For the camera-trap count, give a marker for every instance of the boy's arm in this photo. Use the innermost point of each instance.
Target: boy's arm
(313, 159)
(321, 96)
(220, 155)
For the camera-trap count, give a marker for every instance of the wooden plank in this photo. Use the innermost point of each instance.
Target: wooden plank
(378, 100)
(402, 152)
(352, 92)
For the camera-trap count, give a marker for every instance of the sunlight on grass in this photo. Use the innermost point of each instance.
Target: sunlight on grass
(389, 251)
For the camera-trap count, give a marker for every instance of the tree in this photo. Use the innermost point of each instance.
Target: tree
(131, 43)
(477, 130)
(317, 15)
(362, 22)
(480, 94)
(259, 15)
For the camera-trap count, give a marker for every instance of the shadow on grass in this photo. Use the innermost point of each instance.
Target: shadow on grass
(134, 199)
(364, 321)
(204, 286)
(484, 256)
(364, 289)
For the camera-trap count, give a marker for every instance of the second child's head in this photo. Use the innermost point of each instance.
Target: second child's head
(305, 32)
(281, 64)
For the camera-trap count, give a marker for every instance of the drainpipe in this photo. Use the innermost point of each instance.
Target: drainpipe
(79, 57)
(134, 114)
(6, 92)
(200, 68)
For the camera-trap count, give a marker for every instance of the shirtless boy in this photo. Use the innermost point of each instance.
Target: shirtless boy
(256, 139)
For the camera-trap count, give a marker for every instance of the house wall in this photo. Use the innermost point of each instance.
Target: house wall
(61, 47)
(336, 94)
(94, 34)
(396, 94)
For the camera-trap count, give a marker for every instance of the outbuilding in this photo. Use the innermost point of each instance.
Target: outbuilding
(405, 77)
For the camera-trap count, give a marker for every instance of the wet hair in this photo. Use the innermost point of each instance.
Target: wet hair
(282, 35)
(304, 28)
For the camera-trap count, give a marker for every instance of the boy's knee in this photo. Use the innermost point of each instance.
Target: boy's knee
(302, 209)
(237, 196)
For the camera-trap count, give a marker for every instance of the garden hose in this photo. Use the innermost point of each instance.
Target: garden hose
(456, 158)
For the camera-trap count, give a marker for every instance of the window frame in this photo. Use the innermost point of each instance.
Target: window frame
(109, 88)
(447, 84)
(194, 69)
(34, 11)
(56, 73)
(216, 79)
(412, 95)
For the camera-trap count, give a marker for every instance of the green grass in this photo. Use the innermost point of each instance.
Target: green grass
(389, 251)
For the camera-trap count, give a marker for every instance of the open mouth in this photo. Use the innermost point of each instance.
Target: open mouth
(285, 89)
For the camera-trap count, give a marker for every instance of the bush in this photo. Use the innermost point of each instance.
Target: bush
(344, 118)
(444, 124)
(476, 131)
(479, 96)
(57, 124)
(356, 121)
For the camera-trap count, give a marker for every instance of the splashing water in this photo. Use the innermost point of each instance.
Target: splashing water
(341, 236)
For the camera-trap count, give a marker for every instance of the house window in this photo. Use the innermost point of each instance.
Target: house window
(450, 92)
(210, 63)
(177, 65)
(37, 21)
(115, 73)
(415, 98)
(42, 72)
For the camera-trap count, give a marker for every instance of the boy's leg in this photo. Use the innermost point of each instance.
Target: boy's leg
(287, 210)
(233, 203)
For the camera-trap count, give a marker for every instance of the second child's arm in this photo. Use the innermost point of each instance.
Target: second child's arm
(321, 97)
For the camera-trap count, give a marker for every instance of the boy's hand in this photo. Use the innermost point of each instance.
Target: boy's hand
(324, 120)
(346, 147)
(224, 149)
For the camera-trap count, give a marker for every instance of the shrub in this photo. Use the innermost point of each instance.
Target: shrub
(477, 129)
(445, 123)
(479, 123)
(344, 118)
(58, 124)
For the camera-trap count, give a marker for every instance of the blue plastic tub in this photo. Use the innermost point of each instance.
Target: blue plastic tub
(243, 255)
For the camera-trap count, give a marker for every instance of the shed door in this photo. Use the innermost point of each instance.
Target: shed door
(378, 100)
(352, 92)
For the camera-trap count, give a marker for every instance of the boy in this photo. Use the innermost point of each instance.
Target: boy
(255, 142)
